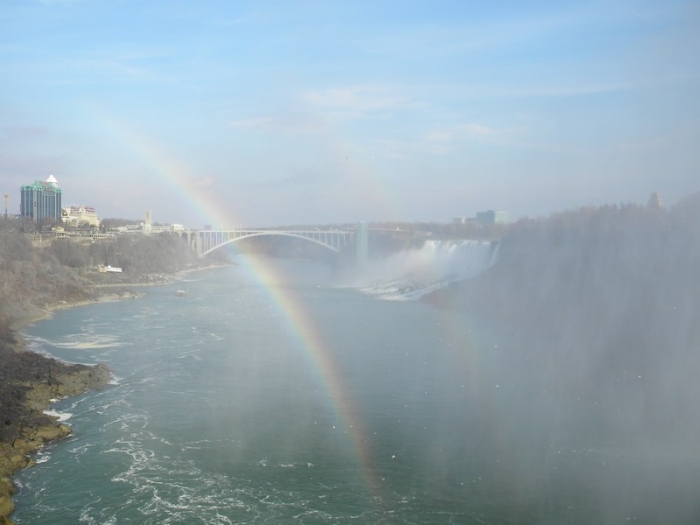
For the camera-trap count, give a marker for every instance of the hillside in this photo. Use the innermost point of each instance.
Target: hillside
(33, 278)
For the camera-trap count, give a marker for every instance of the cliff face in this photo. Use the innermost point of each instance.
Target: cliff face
(32, 278)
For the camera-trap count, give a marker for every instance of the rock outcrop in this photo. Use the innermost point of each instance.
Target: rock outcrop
(28, 384)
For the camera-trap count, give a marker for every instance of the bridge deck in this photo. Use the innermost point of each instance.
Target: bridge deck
(205, 241)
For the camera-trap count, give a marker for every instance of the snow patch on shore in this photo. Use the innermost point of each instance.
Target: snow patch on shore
(61, 416)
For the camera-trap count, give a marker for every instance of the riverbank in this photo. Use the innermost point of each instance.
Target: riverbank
(118, 289)
(47, 312)
(30, 382)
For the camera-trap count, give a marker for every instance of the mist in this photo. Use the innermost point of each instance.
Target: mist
(414, 272)
(596, 362)
(565, 372)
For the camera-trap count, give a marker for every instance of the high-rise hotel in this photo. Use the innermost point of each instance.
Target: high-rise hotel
(41, 200)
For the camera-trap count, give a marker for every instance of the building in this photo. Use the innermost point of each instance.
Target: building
(167, 228)
(655, 201)
(41, 200)
(80, 216)
(492, 217)
(148, 225)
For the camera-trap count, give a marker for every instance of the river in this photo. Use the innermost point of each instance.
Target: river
(269, 394)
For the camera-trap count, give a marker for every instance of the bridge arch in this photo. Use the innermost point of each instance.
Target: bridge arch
(203, 242)
(307, 236)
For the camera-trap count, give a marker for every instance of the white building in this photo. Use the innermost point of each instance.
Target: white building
(80, 216)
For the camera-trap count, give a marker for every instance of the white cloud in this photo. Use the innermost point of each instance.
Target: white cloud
(59, 2)
(22, 133)
(319, 111)
(433, 40)
(393, 149)
(112, 68)
(570, 90)
(357, 101)
(291, 123)
(469, 131)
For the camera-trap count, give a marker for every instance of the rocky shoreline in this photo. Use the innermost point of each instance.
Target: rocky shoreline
(39, 278)
(30, 382)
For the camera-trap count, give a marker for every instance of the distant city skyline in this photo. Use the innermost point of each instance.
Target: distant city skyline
(273, 113)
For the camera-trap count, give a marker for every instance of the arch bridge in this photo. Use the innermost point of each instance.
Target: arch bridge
(203, 242)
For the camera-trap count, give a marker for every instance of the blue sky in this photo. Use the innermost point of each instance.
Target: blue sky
(278, 113)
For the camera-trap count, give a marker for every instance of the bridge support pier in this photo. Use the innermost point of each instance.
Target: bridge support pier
(362, 244)
(193, 241)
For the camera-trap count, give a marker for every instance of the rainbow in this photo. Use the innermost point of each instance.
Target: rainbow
(300, 323)
(324, 366)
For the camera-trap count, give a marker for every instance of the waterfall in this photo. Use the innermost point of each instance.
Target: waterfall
(410, 274)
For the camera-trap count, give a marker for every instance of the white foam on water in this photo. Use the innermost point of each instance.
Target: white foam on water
(173, 489)
(88, 341)
(411, 274)
(80, 450)
(42, 456)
